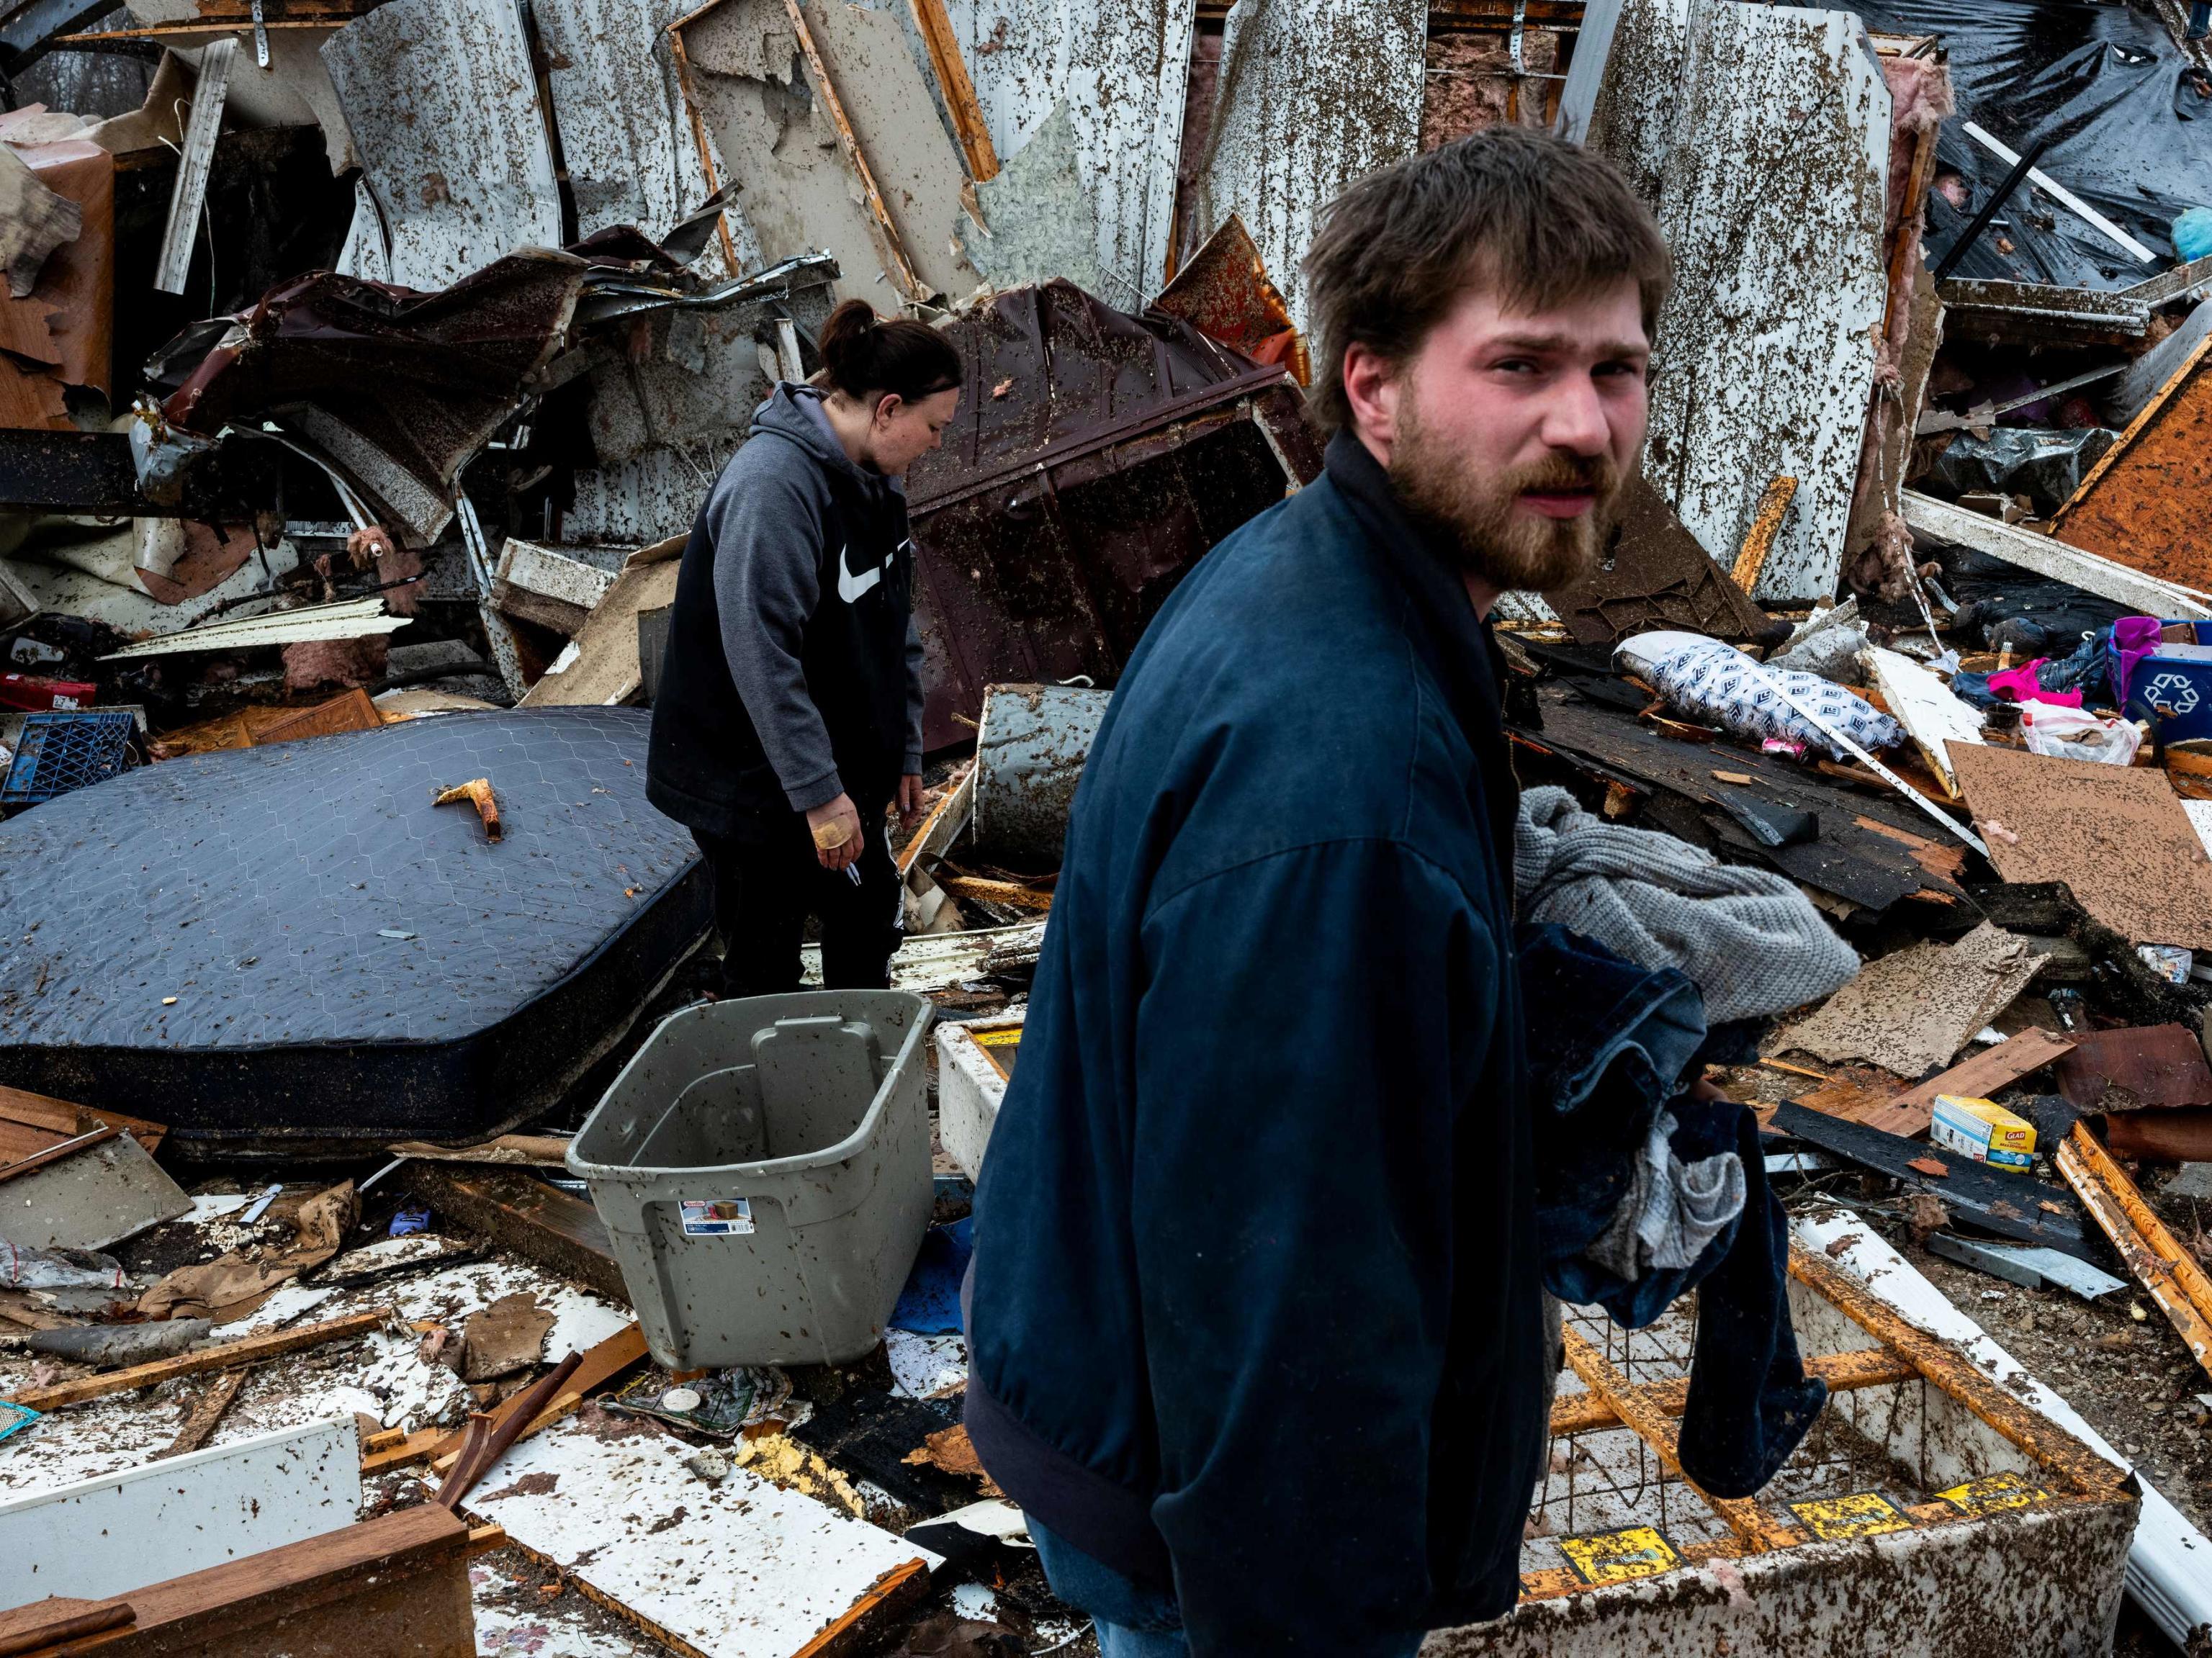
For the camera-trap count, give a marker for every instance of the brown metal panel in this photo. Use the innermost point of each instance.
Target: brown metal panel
(2143, 505)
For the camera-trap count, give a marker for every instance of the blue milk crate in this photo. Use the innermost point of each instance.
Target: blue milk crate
(59, 752)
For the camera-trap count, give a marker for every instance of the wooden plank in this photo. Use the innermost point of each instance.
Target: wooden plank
(45, 1624)
(523, 1215)
(251, 1350)
(55, 1152)
(1012, 894)
(899, 1589)
(397, 1584)
(957, 90)
(2156, 1258)
(1977, 1076)
(207, 1410)
(59, 1119)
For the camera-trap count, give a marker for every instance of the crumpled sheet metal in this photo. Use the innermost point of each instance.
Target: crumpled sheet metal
(1224, 292)
(2143, 505)
(1313, 94)
(397, 389)
(632, 155)
(1767, 159)
(1096, 457)
(442, 103)
(1120, 67)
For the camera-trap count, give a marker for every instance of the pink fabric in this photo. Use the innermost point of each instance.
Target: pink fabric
(2019, 685)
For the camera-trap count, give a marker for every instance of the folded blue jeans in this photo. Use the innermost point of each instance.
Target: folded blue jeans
(1132, 1621)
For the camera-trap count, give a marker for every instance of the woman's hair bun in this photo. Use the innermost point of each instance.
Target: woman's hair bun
(867, 356)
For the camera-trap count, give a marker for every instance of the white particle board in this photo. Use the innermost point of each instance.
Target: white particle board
(740, 1570)
(120, 1532)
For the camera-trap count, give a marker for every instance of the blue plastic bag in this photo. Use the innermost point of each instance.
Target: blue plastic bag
(2192, 234)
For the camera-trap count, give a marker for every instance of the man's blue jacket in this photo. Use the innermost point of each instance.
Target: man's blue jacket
(1255, 1313)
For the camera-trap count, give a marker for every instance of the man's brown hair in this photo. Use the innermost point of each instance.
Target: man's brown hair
(1536, 219)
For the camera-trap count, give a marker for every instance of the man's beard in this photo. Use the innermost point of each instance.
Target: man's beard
(1478, 519)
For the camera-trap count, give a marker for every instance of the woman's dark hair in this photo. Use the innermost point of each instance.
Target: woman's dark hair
(867, 356)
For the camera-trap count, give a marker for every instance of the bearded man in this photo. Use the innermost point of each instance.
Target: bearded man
(1256, 1331)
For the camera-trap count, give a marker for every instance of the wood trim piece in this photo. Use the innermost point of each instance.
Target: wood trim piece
(1765, 526)
(251, 1351)
(958, 88)
(216, 1605)
(601, 1365)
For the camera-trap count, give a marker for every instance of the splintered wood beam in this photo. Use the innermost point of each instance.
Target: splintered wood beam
(1765, 526)
(599, 1366)
(957, 87)
(2152, 1254)
(1977, 1078)
(251, 1350)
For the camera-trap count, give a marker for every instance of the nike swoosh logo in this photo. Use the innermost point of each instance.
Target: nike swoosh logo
(850, 586)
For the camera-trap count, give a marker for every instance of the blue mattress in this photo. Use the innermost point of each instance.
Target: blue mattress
(290, 950)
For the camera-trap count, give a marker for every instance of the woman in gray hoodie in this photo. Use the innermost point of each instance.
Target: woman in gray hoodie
(789, 718)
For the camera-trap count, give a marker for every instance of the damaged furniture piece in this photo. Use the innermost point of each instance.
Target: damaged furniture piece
(327, 959)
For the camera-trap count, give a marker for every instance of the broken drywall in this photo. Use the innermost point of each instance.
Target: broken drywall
(2116, 836)
(1910, 1011)
(1119, 68)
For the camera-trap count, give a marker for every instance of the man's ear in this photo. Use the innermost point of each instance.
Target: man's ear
(1372, 385)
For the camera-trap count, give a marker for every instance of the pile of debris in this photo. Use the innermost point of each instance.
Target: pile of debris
(364, 364)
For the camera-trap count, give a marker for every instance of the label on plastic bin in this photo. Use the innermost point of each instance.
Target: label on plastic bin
(1619, 1556)
(715, 1217)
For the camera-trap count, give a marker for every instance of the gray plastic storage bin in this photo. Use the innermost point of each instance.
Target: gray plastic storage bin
(762, 1169)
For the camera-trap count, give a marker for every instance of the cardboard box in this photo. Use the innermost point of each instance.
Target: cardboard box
(1983, 1130)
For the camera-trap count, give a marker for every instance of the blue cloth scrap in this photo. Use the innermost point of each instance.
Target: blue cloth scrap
(1610, 1043)
(930, 1304)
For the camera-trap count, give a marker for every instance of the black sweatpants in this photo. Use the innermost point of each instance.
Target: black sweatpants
(764, 890)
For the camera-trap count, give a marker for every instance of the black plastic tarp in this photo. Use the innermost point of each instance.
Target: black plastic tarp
(2130, 130)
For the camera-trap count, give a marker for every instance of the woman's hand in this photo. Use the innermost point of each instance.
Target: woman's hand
(909, 800)
(835, 826)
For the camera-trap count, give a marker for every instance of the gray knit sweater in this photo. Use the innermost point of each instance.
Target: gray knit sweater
(1751, 942)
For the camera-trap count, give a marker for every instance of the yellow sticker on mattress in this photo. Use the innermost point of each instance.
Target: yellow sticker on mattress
(1619, 1556)
(1994, 1495)
(1844, 1519)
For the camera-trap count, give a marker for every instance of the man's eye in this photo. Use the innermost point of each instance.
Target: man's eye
(1621, 370)
(1518, 366)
